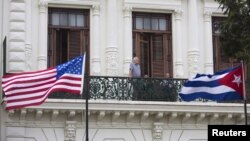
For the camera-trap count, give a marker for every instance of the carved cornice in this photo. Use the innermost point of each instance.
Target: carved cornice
(141, 113)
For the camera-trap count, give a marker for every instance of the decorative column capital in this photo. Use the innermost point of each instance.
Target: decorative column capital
(127, 11)
(193, 62)
(207, 16)
(96, 9)
(42, 62)
(43, 4)
(157, 131)
(70, 131)
(178, 14)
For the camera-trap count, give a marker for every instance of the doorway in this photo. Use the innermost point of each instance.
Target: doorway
(155, 53)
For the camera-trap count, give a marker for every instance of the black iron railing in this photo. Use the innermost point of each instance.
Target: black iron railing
(124, 88)
(138, 89)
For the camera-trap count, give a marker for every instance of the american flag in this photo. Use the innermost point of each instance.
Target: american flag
(33, 88)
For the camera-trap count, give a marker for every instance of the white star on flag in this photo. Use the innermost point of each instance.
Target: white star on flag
(237, 80)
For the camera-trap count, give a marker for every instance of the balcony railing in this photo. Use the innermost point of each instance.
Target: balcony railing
(124, 88)
(138, 89)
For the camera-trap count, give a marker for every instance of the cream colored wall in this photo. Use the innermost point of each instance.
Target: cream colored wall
(110, 43)
(110, 55)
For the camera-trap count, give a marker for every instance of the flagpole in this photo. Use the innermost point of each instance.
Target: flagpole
(86, 77)
(244, 92)
(87, 108)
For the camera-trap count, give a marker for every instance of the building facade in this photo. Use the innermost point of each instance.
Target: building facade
(176, 37)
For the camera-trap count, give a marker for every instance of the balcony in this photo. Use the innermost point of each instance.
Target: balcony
(131, 89)
(139, 103)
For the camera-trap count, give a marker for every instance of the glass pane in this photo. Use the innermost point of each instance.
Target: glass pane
(55, 19)
(157, 48)
(138, 23)
(72, 20)
(163, 24)
(80, 20)
(155, 24)
(64, 19)
(147, 23)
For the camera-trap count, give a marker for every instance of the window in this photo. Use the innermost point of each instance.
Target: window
(151, 22)
(152, 43)
(68, 18)
(221, 61)
(68, 35)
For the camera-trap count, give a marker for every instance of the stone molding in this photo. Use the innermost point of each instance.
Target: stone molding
(142, 114)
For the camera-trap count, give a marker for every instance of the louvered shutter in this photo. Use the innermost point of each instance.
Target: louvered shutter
(157, 53)
(75, 43)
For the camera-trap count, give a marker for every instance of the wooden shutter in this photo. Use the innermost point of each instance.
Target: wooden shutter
(137, 45)
(78, 44)
(168, 61)
(75, 43)
(161, 52)
(221, 60)
(52, 40)
(157, 56)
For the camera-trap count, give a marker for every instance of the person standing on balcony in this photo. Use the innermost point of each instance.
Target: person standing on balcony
(135, 72)
(134, 68)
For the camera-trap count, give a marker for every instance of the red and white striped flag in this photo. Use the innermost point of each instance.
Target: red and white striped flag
(33, 88)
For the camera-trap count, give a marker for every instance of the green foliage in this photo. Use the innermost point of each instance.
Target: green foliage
(235, 30)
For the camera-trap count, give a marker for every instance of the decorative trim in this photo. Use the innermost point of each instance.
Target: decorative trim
(70, 131)
(43, 4)
(28, 53)
(179, 69)
(207, 16)
(112, 63)
(178, 14)
(209, 67)
(121, 113)
(193, 62)
(157, 131)
(42, 64)
(96, 70)
(127, 11)
(96, 9)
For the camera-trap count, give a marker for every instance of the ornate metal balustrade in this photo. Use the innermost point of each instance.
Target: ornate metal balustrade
(124, 88)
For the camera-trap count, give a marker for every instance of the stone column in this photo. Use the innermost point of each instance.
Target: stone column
(193, 51)
(42, 41)
(178, 44)
(127, 42)
(112, 49)
(28, 28)
(208, 42)
(96, 61)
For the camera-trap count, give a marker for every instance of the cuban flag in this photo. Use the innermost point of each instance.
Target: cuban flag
(222, 86)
